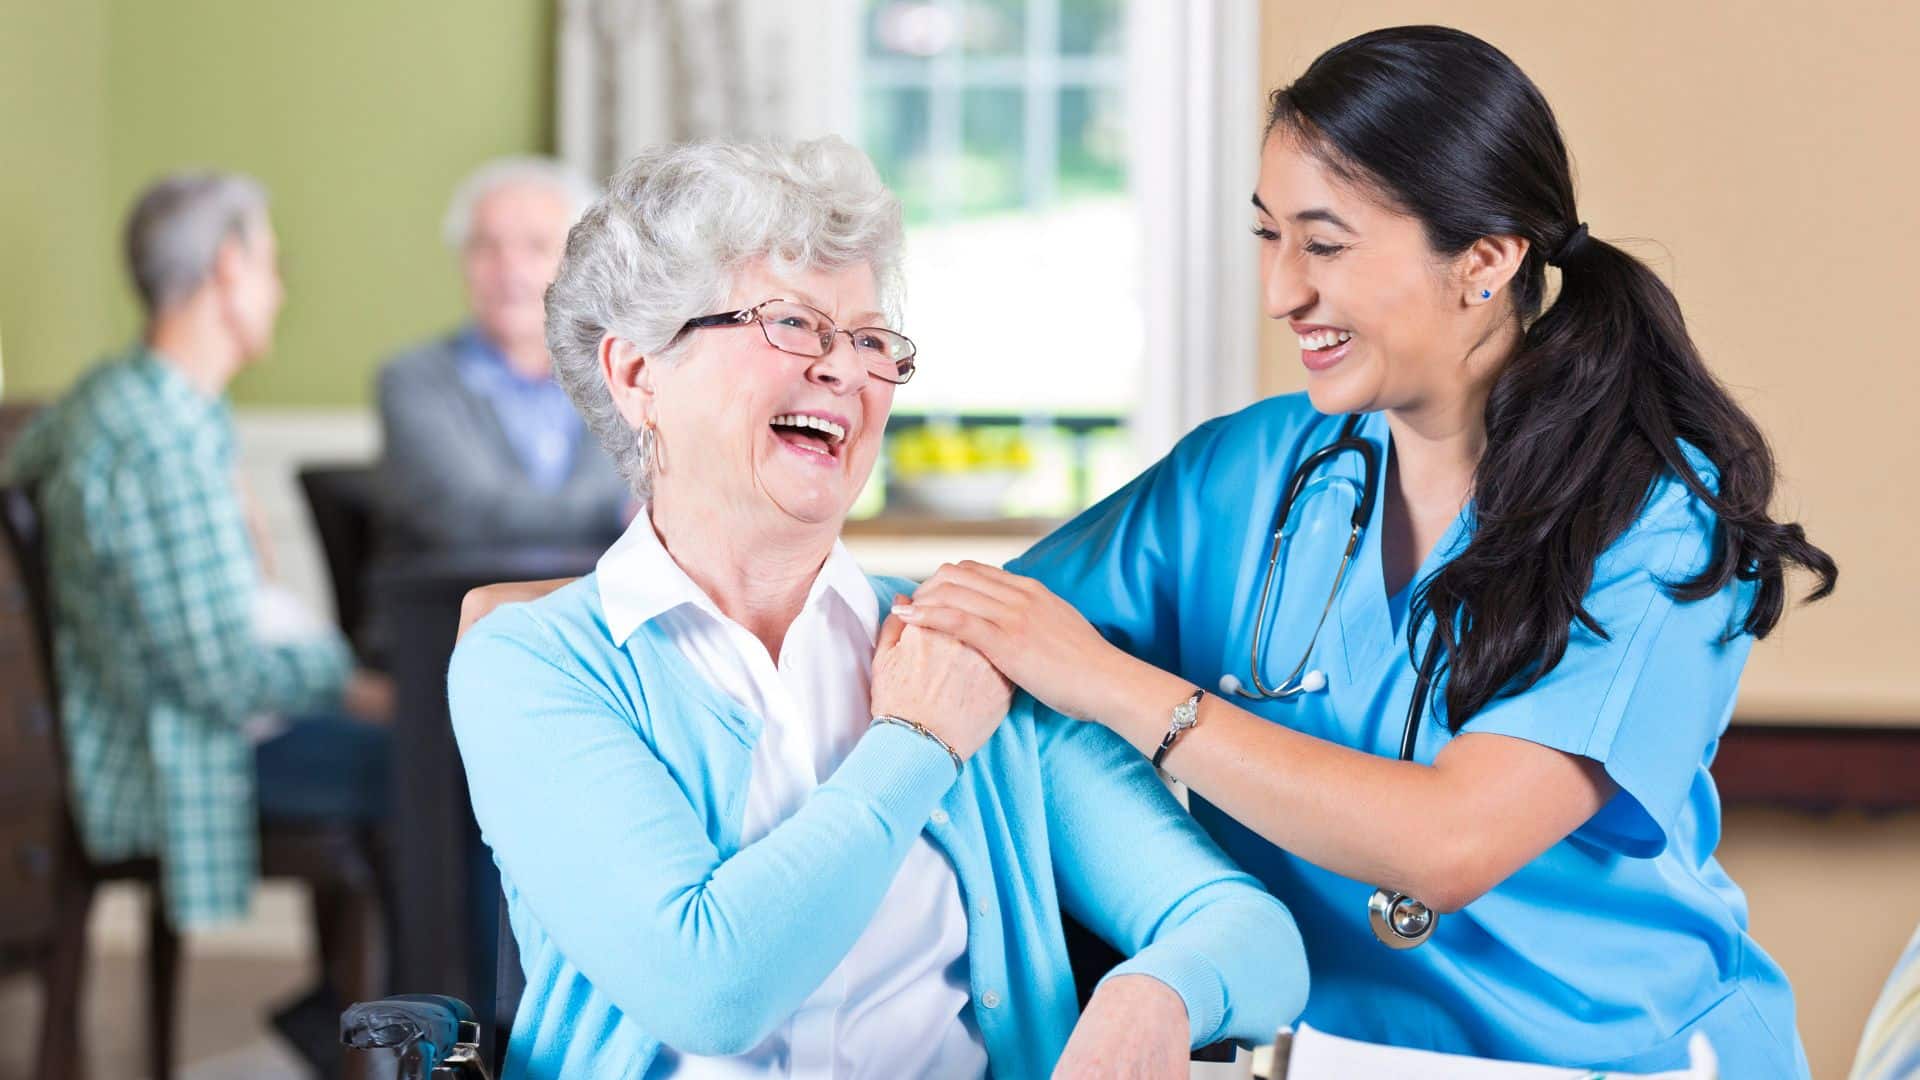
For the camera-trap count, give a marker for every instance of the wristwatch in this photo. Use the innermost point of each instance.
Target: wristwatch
(1185, 715)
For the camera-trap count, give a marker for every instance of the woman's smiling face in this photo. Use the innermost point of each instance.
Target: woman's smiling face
(1384, 321)
(764, 435)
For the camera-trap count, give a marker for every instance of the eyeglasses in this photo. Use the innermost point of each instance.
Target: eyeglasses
(793, 327)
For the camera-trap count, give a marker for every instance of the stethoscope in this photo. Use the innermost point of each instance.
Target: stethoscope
(1398, 920)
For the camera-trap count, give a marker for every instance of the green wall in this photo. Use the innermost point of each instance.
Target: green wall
(56, 257)
(359, 115)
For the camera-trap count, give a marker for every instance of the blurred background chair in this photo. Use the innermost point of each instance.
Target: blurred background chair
(47, 911)
(445, 886)
(343, 502)
(55, 897)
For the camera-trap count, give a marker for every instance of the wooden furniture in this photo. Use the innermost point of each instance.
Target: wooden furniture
(343, 503)
(60, 878)
(57, 881)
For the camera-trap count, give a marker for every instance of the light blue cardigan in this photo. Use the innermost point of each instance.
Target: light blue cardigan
(611, 782)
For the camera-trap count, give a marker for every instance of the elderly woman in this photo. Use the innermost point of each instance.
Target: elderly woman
(736, 839)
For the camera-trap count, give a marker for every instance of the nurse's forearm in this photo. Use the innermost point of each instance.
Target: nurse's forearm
(1445, 832)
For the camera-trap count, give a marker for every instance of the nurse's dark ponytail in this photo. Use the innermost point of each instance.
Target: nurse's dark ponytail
(1606, 383)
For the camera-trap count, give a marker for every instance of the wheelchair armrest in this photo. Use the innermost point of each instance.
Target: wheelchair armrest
(426, 1027)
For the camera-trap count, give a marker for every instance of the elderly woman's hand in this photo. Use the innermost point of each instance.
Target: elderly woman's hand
(480, 602)
(1037, 639)
(1135, 1026)
(939, 683)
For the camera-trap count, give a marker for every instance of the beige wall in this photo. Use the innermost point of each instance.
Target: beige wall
(1832, 899)
(1767, 152)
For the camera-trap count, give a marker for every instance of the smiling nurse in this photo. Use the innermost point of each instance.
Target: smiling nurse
(1558, 514)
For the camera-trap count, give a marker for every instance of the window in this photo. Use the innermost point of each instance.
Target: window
(1001, 124)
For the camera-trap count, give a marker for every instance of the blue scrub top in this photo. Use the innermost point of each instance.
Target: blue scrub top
(1614, 946)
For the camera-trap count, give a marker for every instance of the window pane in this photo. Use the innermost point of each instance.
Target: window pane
(994, 27)
(896, 139)
(1093, 143)
(987, 177)
(1023, 252)
(1091, 27)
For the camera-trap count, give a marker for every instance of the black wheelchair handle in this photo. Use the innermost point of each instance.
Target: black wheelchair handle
(427, 1025)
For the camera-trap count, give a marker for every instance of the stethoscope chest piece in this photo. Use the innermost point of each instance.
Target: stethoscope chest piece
(1398, 920)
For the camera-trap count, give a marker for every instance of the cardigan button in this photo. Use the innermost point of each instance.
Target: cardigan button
(990, 999)
(939, 817)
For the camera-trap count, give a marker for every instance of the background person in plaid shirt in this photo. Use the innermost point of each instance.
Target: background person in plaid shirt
(169, 646)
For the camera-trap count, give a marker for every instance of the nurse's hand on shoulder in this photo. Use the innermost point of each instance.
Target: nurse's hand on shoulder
(939, 682)
(1035, 638)
(1135, 1026)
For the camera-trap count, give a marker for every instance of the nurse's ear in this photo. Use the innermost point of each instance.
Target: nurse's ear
(1487, 266)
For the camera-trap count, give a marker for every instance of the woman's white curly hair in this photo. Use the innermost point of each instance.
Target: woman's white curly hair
(675, 226)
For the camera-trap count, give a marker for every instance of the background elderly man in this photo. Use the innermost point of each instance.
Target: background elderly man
(482, 448)
(170, 648)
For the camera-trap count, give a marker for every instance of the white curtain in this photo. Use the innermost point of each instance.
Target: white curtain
(632, 73)
(1197, 109)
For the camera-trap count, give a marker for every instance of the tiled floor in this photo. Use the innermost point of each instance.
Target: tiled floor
(232, 978)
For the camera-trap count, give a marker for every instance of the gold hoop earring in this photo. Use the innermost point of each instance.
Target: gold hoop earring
(653, 448)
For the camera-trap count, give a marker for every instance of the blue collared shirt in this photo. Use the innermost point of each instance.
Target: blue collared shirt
(540, 422)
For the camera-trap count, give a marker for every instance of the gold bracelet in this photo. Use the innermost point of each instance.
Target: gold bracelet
(922, 729)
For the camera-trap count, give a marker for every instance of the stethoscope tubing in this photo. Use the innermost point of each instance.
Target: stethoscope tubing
(1398, 920)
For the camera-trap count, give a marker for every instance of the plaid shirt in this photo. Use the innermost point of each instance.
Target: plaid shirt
(153, 579)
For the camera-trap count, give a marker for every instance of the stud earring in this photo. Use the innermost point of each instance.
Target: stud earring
(1486, 294)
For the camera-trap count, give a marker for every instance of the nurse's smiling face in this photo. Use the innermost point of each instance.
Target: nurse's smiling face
(1383, 320)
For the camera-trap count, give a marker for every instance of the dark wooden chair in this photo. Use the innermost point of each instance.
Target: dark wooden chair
(333, 860)
(70, 878)
(343, 501)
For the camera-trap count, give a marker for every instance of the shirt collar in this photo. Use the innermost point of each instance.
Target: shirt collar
(177, 397)
(639, 581)
(480, 359)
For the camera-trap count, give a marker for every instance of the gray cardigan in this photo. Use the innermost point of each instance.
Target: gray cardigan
(451, 479)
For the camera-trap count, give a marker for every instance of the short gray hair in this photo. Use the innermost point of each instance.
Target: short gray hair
(176, 228)
(556, 176)
(674, 228)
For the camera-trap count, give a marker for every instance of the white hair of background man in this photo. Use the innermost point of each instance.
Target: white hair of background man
(176, 228)
(556, 176)
(663, 245)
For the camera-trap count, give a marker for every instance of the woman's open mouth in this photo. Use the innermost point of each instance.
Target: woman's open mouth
(815, 436)
(1321, 349)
